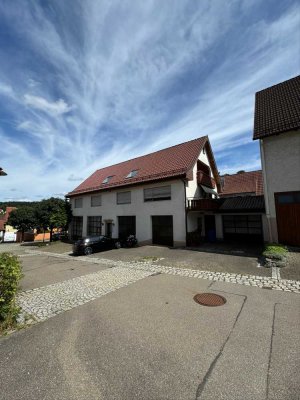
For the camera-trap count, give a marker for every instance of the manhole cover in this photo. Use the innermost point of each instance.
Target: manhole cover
(209, 299)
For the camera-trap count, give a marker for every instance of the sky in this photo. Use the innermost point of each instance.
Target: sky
(86, 84)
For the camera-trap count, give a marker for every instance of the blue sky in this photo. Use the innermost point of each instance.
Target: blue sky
(85, 84)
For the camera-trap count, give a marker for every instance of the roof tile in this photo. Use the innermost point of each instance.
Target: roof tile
(244, 182)
(167, 163)
(277, 109)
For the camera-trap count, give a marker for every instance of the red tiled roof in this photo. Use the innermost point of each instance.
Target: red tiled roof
(172, 162)
(4, 217)
(245, 182)
(277, 109)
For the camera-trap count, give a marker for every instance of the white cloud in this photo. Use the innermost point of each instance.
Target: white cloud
(55, 108)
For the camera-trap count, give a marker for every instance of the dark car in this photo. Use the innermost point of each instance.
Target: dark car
(93, 244)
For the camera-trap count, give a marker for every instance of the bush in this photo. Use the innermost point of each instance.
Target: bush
(275, 252)
(10, 275)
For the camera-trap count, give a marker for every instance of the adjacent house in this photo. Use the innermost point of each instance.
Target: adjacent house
(4, 227)
(148, 196)
(239, 212)
(277, 127)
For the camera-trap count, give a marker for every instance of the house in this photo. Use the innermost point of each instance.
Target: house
(4, 228)
(277, 127)
(148, 196)
(239, 212)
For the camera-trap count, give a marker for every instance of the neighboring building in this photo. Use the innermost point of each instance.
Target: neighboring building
(242, 184)
(239, 213)
(3, 222)
(147, 196)
(276, 125)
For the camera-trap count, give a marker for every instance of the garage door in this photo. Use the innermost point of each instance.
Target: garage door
(288, 217)
(162, 230)
(243, 227)
(126, 226)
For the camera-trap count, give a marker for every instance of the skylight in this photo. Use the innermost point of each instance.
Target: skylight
(132, 173)
(107, 179)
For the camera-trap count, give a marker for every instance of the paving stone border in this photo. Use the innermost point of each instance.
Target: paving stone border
(47, 301)
(247, 280)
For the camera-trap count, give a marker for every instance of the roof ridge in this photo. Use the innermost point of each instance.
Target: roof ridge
(154, 152)
(278, 84)
(246, 172)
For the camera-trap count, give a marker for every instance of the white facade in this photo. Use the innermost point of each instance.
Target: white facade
(280, 156)
(143, 211)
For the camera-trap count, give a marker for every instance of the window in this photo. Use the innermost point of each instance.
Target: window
(78, 203)
(288, 198)
(123, 197)
(77, 223)
(96, 201)
(157, 193)
(107, 179)
(94, 226)
(132, 174)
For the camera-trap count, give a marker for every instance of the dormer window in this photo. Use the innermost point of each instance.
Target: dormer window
(107, 179)
(132, 173)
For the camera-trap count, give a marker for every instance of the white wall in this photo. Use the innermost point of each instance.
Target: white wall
(192, 188)
(281, 169)
(143, 211)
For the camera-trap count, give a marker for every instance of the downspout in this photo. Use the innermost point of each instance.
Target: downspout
(262, 156)
(185, 205)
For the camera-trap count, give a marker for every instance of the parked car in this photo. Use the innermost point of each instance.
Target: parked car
(93, 244)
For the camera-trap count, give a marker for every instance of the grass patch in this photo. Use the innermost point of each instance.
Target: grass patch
(149, 258)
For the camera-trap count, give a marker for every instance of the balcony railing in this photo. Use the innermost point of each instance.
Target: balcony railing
(206, 180)
(202, 204)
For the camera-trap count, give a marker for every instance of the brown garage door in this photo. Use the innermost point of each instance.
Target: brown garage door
(288, 217)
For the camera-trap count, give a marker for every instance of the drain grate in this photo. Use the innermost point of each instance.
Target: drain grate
(209, 299)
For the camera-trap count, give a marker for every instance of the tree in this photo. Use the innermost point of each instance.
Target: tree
(22, 219)
(53, 213)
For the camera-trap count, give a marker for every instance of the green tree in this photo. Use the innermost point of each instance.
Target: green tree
(53, 213)
(23, 219)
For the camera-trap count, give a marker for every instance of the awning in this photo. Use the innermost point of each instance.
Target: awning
(208, 190)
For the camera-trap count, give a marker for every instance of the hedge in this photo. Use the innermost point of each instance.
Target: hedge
(10, 275)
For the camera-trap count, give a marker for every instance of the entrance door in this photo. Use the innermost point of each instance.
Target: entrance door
(108, 229)
(210, 227)
(162, 230)
(288, 217)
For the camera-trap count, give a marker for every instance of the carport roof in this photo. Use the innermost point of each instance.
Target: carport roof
(243, 203)
(173, 162)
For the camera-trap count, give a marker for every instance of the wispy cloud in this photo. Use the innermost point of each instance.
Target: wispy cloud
(53, 108)
(96, 82)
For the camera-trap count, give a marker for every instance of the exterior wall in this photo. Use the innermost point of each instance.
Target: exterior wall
(110, 210)
(281, 171)
(192, 188)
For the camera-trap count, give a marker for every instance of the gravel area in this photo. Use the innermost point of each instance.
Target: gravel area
(292, 270)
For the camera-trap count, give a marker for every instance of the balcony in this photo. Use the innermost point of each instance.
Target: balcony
(206, 180)
(203, 204)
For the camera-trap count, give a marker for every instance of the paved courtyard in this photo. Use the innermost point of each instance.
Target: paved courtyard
(108, 329)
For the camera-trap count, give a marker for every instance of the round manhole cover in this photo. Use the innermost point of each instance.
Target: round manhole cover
(209, 299)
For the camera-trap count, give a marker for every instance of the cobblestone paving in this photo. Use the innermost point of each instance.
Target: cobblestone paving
(48, 301)
(247, 280)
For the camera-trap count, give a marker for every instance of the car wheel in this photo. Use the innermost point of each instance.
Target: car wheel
(88, 251)
(118, 245)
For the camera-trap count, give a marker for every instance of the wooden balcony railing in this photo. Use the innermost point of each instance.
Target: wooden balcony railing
(206, 180)
(203, 204)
